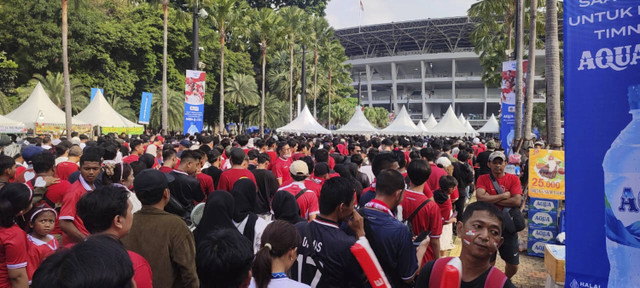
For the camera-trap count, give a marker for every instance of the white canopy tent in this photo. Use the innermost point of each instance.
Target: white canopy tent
(38, 108)
(402, 125)
(431, 122)
(470, 129)
(11, 126)
(304, 124)
(462, 120)
(492, 126)
(100, 113)
(422, 127)
(449, 126)
(357, 125)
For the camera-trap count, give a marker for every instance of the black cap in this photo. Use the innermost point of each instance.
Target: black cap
(152, 180)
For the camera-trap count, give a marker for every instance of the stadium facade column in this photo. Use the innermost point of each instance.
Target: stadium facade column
(486, 94)
(369, 92)
(453, 84)
(423, 92)
(394, 87)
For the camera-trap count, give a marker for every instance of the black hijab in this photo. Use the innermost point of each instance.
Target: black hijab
(244, 193)
(217, 214)
(285, 207)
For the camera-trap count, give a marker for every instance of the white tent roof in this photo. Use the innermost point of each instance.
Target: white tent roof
(422, 127)
(11, 126)
(431, 122)
(304, 124)
(449, 126)
(39, 108)
(462, 120)
(402, 125)
(470, 129)
(491, 126)
(357, 125)
(100, 113)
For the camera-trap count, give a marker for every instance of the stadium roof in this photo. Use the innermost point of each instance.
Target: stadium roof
(409, 37)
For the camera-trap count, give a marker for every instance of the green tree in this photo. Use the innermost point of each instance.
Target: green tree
(242, 90)
(378, 116)
(273, 116)
(315, 7)
(53, 84)
(175, 110)
(8, 75)
(332, 58)
(343, 110)
(122, 107)
(294, 21)
(321, 34)
(531, 72)
(552, 75)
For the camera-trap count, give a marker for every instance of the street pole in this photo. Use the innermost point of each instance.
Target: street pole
(303, 94)
(196, 46)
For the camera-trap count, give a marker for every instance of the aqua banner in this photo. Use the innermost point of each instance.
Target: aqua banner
(145, 108)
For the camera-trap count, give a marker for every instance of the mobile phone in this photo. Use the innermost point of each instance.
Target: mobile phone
(455, 214)
(421, 237)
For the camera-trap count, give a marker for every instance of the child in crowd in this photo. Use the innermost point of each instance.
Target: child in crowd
(42, 244)
(442, 197)
(15, 200)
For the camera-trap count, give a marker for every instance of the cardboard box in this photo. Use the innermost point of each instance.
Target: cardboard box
(543, 219)
(543, 205)
(554, 261)
(536, 247)
(547, 235)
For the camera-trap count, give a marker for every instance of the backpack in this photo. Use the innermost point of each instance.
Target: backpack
(413, 214)
(495, 279)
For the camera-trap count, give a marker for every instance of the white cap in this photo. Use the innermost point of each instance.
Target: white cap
(444, 162)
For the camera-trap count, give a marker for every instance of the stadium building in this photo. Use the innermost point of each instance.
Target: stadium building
(425, 65)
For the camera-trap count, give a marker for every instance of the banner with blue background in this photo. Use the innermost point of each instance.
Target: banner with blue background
(145, 108)
(194, 101)
(508, 101)
(601, 67)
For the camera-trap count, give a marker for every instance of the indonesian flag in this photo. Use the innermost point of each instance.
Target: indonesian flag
(361, 6)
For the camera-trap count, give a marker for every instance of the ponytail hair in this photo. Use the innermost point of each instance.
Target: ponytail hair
(277, 239)
(114, 173)
(14, 197)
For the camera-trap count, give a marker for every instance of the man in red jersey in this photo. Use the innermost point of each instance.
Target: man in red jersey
(237, 171)
(280, 166)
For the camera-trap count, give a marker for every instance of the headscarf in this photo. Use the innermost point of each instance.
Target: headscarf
(244, 193)
(217, 214)
(285, 207)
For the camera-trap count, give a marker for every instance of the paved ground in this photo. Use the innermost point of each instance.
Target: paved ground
(531, 272)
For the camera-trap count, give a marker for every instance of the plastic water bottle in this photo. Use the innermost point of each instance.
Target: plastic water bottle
(622, 207)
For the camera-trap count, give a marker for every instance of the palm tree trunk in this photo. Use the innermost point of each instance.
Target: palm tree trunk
(65, 71)
(531, 74)
(165, 113)
(552, 74)
(221, 118)
(329, 112)
(264, 68)
(519, 72)
(315, 82)
(290, 83)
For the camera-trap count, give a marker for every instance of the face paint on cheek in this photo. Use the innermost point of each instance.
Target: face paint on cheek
(466, 241)
(470, 233)
(495, 244)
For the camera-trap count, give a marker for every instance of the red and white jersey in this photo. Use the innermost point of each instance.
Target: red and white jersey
(308, 201)
(13, 252)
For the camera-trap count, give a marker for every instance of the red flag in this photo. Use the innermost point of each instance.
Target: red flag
(361, 6)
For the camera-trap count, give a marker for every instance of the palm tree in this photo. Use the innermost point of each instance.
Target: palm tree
(321, 33)
(266, 27)
(294, 19)
(175, 111)
(5, 106)
(552, 75)
(273, 116)
(519, 73)
(65, 69)
(224, 16)
(378, 116)
(242, 90)
(531, 73)
(333, 57)
(53, 84)
(165, 21)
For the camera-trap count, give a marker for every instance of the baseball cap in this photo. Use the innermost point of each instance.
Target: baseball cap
(539, 143)
(476, 140)
(491, 145)
(160, 138)
(152, 180)
(299, 168)
(31, 151)
(4, 140)
(186, 143)
(443, 161)
(497, 154)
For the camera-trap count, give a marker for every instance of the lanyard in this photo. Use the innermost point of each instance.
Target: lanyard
(379, 205)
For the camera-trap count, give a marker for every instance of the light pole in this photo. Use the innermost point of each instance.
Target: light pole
(197, 14)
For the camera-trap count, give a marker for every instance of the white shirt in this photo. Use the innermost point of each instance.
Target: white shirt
(258, 229)
(282, 282)
(368, 170)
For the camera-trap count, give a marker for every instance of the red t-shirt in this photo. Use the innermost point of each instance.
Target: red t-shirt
(165, 169)
(297, 156)
(434, 179)
(308, 201)
(229, 177)
(508, 183)
(38, 251)
(13, 252)
(455, 195)
(68, 210)
(427, 191)
(19, 171)
(280, 169)
(427, 219)
(141, 270)
(309, 183)
(130, 159)
(55, 193)
(206, 183)
(64, 169)
(273, 156)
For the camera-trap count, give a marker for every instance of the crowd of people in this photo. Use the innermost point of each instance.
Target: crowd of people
(279, 211)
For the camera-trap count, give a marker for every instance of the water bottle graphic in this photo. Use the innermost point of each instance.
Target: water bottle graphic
(192, 129)
(622, 199)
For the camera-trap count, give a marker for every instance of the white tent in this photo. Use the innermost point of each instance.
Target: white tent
(491, 126)
(472, 131)
(462, 120)
(422, 127)
(402, 125)
(38, 108)
(304, 124)
(11, 126)
(449, 126)
(431, 122)
(100, 113)
(357, 125)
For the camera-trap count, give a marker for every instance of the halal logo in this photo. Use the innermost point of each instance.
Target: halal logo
(574, 284)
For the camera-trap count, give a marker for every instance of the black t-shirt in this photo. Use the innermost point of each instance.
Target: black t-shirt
(267, 187)
(215, 173)
(324, 244)
(425, 275)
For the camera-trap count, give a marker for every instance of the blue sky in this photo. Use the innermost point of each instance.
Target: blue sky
(346, 13)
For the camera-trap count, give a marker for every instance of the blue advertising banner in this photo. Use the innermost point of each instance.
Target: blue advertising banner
(508, 100)
(602, 85)
(194, 101)
(94, 91)
(145, 108)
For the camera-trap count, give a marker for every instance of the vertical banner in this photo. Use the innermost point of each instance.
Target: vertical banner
(194, 101)
(602, 87)
(94, 91)
(145, 108)
(546, 174)
(508, 100)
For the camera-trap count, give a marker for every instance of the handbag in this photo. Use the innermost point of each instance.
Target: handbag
(513, 220)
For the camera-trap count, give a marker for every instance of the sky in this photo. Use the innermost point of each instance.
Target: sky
(347, 13)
